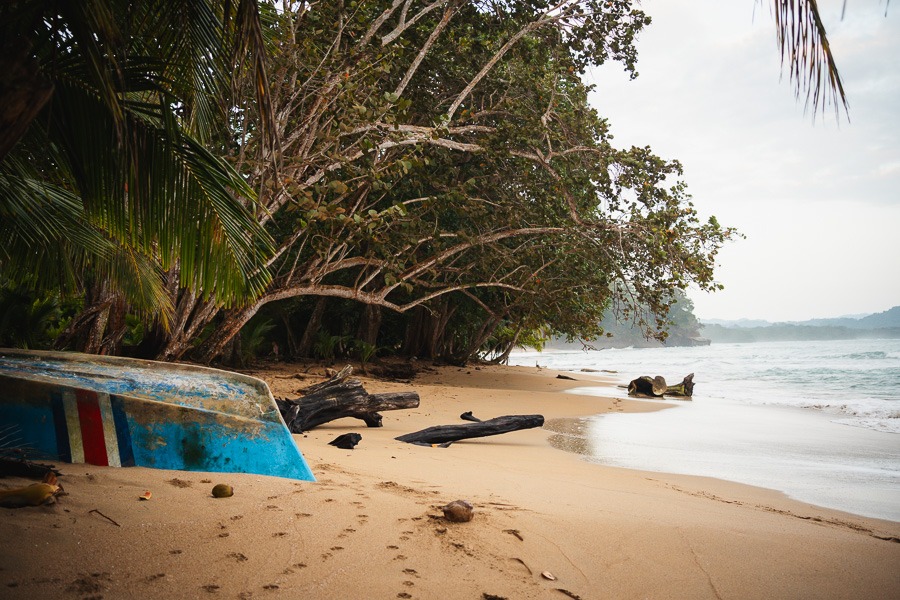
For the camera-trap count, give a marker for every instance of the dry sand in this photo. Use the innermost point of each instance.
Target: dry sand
(371, 527)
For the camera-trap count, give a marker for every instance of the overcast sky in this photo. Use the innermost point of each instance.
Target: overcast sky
(819, 202)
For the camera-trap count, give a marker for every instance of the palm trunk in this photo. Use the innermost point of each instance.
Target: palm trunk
(224, 333)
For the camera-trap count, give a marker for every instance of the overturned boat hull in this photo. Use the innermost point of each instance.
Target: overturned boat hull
(100, 410)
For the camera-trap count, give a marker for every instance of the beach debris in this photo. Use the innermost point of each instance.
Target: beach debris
(30, 495)
(572, 595)
(347, 441)
(442, 434)
(340, 397)
(35, 494)
(566, 377)
(647, 386)
(684, 389)
(548, 576)
(222, 490)
(486, 596)
(146, 495)
(656, 387)
(468, 416)
(94, 510)
(18, 467)
(515, 532)
(459, 511)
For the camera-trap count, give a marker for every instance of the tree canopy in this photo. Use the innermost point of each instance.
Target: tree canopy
(195, 164)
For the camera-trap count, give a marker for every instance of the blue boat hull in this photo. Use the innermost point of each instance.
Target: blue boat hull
(119, 412)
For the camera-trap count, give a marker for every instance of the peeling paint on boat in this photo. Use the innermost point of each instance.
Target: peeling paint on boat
(123, 412)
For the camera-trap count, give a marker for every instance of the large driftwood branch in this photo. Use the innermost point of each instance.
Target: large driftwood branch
(442, 434)
(340, 397)
(656, 387)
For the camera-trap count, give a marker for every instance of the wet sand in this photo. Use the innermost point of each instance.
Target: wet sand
(371, 526)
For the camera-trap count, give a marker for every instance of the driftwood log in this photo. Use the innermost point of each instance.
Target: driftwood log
(340, 397)
(656, 387)
(445, 434)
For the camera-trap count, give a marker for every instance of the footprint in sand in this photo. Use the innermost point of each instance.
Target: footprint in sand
(238, 556)
(90, 583)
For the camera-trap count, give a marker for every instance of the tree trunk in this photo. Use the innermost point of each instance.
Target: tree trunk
(426, 331)
(304, 350)
(414, 335)
(504, 357)
(445, 434)
(289, 333)
(369, 324)
(99, 327)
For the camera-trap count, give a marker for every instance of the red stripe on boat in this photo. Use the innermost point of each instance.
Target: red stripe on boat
(91, 428)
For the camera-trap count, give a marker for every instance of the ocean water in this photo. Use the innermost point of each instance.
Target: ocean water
(819, 420)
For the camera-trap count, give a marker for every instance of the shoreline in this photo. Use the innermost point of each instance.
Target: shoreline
(783, 449)
(372, 525)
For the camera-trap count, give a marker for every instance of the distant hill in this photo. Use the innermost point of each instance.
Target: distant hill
(880, 325)
(684, 330)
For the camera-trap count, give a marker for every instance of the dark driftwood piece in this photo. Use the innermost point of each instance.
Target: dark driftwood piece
(15, 467)
(647, 386)
(340, 397)
(346, 441)
(441, 434)
(685, 388)
(656, 387)
(468, 416)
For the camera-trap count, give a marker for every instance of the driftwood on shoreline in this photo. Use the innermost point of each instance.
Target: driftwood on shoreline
(655, 387)
(340, 397)
(446, 434)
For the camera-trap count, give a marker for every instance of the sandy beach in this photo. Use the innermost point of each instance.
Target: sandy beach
(371, 526)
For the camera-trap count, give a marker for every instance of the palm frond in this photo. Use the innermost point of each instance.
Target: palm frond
(47, 241)
(806, 52)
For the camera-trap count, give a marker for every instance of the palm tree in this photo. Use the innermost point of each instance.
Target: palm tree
(113, 112)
